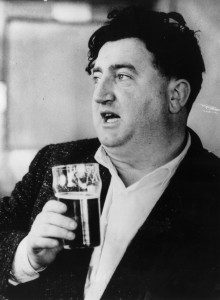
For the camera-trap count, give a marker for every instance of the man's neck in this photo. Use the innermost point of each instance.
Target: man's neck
(135, 162)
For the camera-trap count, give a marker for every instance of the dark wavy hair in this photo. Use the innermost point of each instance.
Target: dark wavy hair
(174, 46)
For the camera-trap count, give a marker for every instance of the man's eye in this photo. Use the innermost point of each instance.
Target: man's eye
(123, 77)
(95, 78)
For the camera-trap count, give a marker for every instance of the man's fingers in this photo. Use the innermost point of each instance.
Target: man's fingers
(55, 206)
(55, 232)
(59, 220)
(51, 218)
(46, 243)
(50, 224)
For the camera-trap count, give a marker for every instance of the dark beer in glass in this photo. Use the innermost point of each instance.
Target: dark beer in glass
(79, 187)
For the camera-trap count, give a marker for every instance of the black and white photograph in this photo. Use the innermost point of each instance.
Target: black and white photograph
(109, 150)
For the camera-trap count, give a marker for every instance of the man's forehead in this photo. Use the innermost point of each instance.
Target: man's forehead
(128, 52)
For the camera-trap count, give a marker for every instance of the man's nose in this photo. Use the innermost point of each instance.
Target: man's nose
(104, 91)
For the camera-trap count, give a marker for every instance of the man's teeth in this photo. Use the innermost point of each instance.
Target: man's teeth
(110, 117)
(111, 120)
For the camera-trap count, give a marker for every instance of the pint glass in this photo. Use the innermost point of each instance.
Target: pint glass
(79, 187)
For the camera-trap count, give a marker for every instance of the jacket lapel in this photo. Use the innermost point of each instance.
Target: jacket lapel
(139, 270)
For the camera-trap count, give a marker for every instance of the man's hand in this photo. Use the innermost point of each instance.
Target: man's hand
(50, 227)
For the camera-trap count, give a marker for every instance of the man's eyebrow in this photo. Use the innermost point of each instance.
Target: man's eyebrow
(124, 66)
(96, 69)
(117, 67)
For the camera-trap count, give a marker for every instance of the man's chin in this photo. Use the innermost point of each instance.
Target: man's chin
(108, 144)
(111, 142)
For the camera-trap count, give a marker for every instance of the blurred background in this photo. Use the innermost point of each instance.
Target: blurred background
(45, 94)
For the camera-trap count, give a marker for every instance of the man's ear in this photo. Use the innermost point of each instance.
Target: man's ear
(179, 91)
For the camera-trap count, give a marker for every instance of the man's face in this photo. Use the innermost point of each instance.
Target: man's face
(129, 100)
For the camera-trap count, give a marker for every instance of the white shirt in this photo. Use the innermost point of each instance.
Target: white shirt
(124, 212)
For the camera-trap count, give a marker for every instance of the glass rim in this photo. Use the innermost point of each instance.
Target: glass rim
(77, 164)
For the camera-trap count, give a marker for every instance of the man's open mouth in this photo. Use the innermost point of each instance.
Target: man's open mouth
(109, 117)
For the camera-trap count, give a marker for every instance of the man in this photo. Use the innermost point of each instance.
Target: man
(160, 195)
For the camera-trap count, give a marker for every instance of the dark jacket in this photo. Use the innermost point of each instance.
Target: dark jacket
(174, 255)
